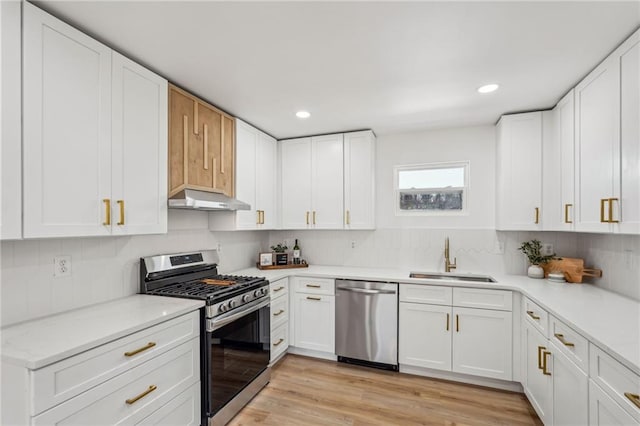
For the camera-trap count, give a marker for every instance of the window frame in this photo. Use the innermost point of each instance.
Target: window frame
(466, 165)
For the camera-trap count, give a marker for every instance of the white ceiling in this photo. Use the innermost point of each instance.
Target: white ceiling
(389, 66)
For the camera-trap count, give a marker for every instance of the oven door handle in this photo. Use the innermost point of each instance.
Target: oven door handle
(225, 319)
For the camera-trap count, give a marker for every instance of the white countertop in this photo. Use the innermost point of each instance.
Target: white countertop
(40, 342)
(607, 319)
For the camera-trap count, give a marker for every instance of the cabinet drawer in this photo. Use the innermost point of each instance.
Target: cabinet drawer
(184, 409)
(279, 288)
(536, 316)
(279, 312)
(65, 379)
(571, 343)
(132, 396)
(279, 341)
(430, 294)
(315, 286)
(615, 379)
(483, 298)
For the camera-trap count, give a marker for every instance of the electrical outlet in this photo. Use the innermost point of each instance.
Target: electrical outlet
(353, 244)
(547, 249)
(219, 248)
(62, 266)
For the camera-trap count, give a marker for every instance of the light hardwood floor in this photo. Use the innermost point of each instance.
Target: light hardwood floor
(307, 391)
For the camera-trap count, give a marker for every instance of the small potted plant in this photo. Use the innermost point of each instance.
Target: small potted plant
(533, 250)
(281, 257)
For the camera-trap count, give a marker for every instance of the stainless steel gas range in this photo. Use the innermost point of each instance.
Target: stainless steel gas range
(235, 345)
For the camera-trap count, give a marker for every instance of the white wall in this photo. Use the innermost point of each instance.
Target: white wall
(105, 268)
(473, 144)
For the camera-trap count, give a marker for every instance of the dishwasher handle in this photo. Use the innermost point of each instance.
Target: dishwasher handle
(366, 290)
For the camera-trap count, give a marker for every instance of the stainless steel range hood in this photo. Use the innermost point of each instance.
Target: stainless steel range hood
(202, 200)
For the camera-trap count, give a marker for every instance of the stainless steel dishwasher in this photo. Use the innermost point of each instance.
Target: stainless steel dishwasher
(367, 323)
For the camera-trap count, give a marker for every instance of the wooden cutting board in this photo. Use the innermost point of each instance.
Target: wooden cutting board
(572, 268)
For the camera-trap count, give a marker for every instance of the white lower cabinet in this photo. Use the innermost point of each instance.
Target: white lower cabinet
(537, 385)
(604, 411)
(459, 338)
(314, 317)
(279, 321)
(182, 410)
(570, 390)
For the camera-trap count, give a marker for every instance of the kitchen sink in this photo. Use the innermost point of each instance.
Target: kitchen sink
(452, 277)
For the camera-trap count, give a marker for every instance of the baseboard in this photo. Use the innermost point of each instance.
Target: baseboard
(463, 378)
(312, 353)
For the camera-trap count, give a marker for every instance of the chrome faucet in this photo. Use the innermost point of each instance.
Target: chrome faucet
(448, 266)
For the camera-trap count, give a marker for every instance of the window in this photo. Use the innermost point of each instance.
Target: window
(432, 189)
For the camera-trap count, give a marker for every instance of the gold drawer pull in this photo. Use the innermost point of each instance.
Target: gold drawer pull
(278, 289)
(532, 315)
(633, 397)
(544, 363)
(313, 298)
(278, 342)
(313, 285)
(561, 338)
(142, 395)
(278, 313)
(142, 349)
(540, 350)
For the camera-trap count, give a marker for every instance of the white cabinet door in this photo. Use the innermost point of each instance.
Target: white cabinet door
(537, 386)
(558, 205)
(570, 390)
(139, 147)
(597, 115)
(67, 129)
(327, 182)
(425, 336)
(604, 411)
(295, 156)
(519, 177)
(627, 173)
(359, 180)
(10, 120)
(246, 171)
(314, 322)
(266, 180)
(482, 342)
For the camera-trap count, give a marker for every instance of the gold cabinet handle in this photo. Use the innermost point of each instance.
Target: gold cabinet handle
(142, 349)
(142, 395)
(602, 202)
(532, 315)
(313, 298)
(307, 218)
(457, 323)
(280, 312)
(634, 398)
(313, 285)
(205, 148)
(348, 218)
(611, 219)
(447, 322)
(262, 217)
(121, 204)
(540, 350)
(278, 342)
(314, 217)
(275, 290)
(566, 213)
(258, 217)
(537, 209)
(544, 362)
(561, 338)
(107, 207)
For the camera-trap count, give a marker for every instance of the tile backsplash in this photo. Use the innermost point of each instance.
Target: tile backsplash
(105, 268)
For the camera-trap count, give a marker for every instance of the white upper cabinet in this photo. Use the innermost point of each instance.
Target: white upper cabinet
(558, 206)
(88, 172)
(139, 149)
(312, 182)
(359, 180)
(607, 132)
(11, 143)
(256, 168)
(519, 173)
(67, 129)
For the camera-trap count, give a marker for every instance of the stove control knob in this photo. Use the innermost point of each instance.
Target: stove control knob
(245, 298)
(264, 290)
(257, 293)
(232, 304)
(222, 308)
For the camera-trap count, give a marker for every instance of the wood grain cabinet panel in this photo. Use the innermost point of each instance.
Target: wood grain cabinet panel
(201, 145)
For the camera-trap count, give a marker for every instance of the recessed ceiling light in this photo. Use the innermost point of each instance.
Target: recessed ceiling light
(488, 88)
(303, 114)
